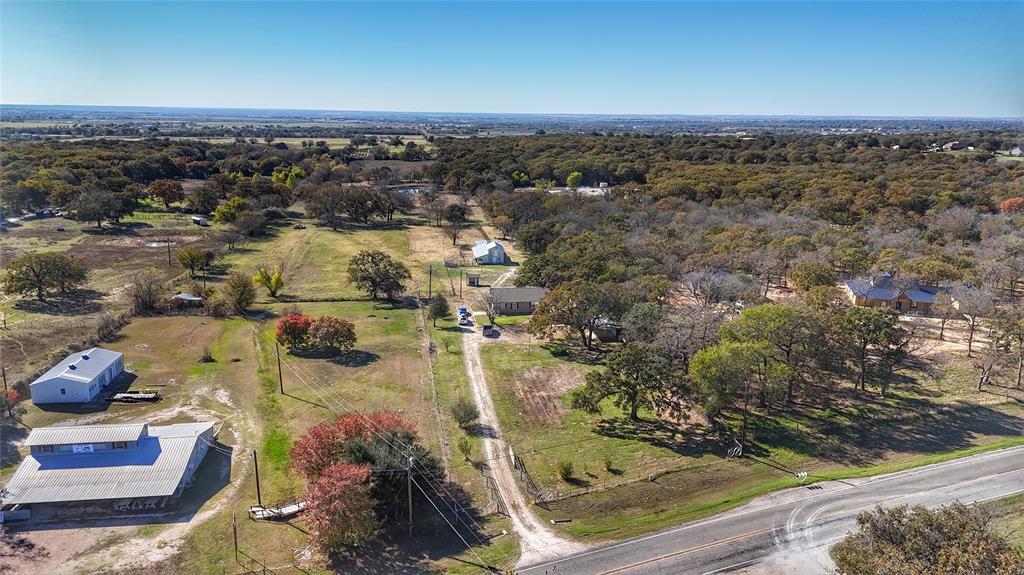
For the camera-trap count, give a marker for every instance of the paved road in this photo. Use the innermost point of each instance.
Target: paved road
(790, 531)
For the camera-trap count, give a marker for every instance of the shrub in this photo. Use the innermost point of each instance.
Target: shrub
(107, 324)
(609, 465)
(292, 330)
(464, 411)
(273, 281)
(216, 306)
(465, 446)
(144, 292)
(565, 469)
(557, 348)
(439, 308)
(207, 356)
(239, 292)
(329, 332)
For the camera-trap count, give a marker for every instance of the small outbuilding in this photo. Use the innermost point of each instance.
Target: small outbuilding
(200, 221)
(184, 300)
(473, 279)
(488, 252)
(78, 378)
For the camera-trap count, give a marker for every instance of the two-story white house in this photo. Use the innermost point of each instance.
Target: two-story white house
(488, 252)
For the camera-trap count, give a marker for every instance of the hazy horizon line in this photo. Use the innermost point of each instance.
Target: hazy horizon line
(548, 114)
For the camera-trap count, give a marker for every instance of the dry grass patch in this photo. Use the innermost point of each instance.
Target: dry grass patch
(540, 388)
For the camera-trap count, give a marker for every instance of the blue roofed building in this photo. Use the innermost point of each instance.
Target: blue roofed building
(78, 378)
(911, 297)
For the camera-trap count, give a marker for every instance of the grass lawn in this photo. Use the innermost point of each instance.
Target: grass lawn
(387, 370)
(677, 474)
(1009, 518)
(113, 254)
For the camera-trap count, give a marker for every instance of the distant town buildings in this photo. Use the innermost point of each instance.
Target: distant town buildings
(78, 378)
(601, 190)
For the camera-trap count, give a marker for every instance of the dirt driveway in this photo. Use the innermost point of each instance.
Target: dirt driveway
(537, 540)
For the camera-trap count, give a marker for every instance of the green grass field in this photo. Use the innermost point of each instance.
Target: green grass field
(679, 473)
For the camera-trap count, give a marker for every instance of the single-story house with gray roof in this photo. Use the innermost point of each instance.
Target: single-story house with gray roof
(880, 291)
(516, 300)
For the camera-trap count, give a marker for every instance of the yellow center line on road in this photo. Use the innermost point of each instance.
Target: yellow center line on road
(686, 551)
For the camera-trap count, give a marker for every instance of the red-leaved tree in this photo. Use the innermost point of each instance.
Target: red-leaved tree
(324, 444)
(329, 332)
(340, 506)
(292, 330)
(1012, 205)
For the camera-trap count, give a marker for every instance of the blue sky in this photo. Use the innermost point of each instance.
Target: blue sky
(810, 58)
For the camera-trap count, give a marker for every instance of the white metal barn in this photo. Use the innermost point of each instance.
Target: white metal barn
(488, 252)
(127, 465)
(78, 378)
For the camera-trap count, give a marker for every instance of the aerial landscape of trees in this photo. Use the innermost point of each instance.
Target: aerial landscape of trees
(701, 291)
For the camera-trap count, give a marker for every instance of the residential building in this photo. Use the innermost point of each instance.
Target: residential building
(906, 297)
(78, 378)
(488, 252)
(127, 465)
(517, 300)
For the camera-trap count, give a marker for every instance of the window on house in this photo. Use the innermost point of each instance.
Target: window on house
(63, 391)
(45, 449)
(120, 445)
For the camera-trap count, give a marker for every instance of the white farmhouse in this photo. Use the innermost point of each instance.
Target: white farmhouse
(78, 378)
(488, 252)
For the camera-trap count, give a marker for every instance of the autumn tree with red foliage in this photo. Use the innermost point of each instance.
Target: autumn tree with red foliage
(340, 506)
(329, 332)
(292, 330)
(1012, 205)
(329, 457)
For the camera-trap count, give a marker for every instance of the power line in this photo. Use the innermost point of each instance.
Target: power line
(344, 407)
(483, 563)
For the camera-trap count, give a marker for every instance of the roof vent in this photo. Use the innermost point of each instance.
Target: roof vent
(84, 356)
(72, 366)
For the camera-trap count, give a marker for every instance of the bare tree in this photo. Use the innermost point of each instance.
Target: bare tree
(454, 230)
(490, 306)
(975, 303)
(943, 307)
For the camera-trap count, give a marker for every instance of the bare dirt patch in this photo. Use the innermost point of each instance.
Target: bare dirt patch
(540, 388)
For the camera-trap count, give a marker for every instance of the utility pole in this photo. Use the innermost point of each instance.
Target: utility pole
(234, 534)
(409, 491)
(746, 414)
(255, 462)
(168, 243)
(460, 284)
(430, 281)
(7, 400)
(277, 352)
